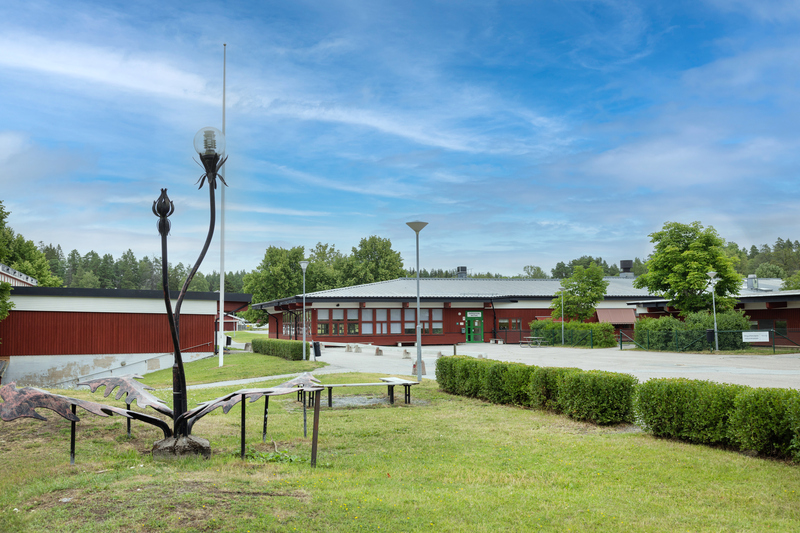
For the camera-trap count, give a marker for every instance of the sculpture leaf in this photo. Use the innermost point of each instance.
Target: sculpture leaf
(135, 391)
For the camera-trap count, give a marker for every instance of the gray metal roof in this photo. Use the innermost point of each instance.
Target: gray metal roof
(453, 289)
(459, 289)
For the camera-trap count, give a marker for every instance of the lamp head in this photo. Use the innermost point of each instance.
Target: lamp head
(712, 274)
(209, 141)
(304, 265)
(416, 225)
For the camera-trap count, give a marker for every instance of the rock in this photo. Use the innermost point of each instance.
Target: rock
(174, 448)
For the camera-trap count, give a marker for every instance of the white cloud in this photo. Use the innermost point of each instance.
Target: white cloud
(108, 66)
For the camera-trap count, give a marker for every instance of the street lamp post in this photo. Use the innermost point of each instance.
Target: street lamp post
(713, 276)
(417, 227)
(562, 316)
(304, 265)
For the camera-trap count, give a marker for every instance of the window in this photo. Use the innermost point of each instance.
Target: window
(502, 323)
(323, 328)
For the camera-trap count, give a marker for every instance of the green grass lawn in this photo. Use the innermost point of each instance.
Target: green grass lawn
(237, 365)
(445, 463)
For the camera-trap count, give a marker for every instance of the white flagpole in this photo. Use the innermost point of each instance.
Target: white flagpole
(222, 225)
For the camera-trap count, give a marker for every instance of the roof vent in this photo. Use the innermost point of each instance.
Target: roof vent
(461, 272)
(752, 282)
(625, 267)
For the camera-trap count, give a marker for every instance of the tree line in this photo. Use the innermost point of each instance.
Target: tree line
(92, 271)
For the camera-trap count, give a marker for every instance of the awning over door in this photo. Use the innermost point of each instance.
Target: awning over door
(617, 316)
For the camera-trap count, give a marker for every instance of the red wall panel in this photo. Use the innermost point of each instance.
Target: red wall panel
(62, 333)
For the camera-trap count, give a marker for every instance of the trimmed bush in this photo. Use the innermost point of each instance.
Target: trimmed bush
(762, 421)
(691, 410)
(595, 334)
(517, 382)
(291, 350)
(544, 385)
(670, 334)
(598, 396)
(445, 373)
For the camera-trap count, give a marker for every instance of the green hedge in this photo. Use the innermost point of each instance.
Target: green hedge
(766, 421)
(691, 410)
(593, 334)
(670, 334)
(291, 350)
(762, 421)
(544, 386)
(598, 396)
(519, 384)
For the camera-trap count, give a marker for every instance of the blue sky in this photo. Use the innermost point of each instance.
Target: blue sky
(525, 133)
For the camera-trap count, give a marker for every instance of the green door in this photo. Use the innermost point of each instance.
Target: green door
(474, 321)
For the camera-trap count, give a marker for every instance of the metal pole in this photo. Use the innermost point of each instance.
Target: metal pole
(714, 305)
(417, 227)
(222, 226)
(304, 266)
(419, 326)
(562, 316)
(244, 398)
(72, 440)
(315, 435)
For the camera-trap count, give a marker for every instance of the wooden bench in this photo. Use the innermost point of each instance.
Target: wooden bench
(390, 383)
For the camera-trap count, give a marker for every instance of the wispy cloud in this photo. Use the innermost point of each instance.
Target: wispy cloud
(107, 66)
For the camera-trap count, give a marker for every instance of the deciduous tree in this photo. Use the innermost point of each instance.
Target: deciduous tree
(580, 292)
(678, 268)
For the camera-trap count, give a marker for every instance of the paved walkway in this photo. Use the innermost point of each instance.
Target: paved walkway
(782, 371)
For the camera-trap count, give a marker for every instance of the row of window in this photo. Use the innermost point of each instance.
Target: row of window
(378, 321)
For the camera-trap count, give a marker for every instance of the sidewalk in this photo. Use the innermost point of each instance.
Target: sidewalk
(778, 371)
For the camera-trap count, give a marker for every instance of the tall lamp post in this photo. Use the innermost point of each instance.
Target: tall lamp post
(713, 276)
(304, 266)
(417, 227)
(562, 316)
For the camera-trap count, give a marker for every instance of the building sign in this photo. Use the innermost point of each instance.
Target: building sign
(474, 314)
(755, 336)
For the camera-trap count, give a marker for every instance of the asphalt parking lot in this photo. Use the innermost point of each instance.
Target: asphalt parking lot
(781, 371)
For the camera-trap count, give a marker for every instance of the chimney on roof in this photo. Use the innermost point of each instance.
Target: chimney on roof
(625, 267)
(461, 272)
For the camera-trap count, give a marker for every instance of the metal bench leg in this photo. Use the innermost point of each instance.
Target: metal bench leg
(407, 393)
(330, 396)
(266, 415)
(391, 394)
(315, 435)
(243, 424)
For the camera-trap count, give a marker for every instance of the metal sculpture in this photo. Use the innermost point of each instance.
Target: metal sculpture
(22, 403)
(212, 160)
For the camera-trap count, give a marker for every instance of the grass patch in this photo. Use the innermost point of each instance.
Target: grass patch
(445, 463)
(241, 365)
(246, 336)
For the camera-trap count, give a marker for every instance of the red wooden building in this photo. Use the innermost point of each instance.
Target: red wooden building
(56, 336)
(453, 310)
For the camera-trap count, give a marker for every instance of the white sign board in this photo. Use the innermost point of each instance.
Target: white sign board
(474, 314)
(755, 336)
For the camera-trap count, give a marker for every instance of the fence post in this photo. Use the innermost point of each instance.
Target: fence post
(773, 341)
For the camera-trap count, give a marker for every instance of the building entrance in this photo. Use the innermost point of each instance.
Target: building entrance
(474, 323)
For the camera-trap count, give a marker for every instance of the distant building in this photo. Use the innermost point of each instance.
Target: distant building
(15, 278)
(55, 337)
(458, 310)
(453, 310)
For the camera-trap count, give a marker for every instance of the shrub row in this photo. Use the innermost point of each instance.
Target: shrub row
(595, 396)
(766, 421)
(291, 350)
(670, 333)
(593, 334)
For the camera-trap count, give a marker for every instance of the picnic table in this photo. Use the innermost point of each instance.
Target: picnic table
(530, 341)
